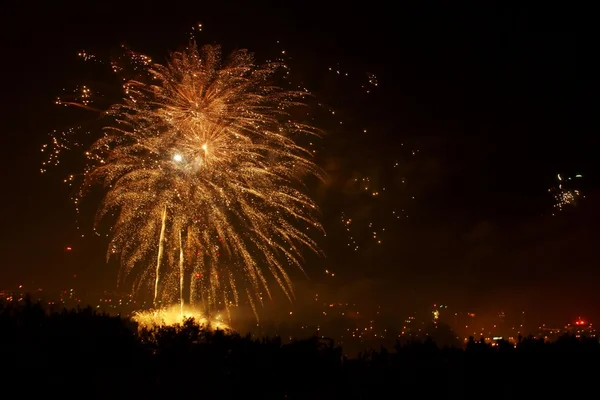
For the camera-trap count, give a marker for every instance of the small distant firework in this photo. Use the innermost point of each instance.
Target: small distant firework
(203, 177)
(565, 193)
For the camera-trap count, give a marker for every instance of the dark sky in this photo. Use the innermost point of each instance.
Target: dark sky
(497, 102)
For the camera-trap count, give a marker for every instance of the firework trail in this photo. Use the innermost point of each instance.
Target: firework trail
(203, 174)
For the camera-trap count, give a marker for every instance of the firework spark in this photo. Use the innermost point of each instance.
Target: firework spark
(203, 173)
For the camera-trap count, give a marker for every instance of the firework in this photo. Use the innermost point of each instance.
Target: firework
(204, 178)
(174, 315)
(564, 192)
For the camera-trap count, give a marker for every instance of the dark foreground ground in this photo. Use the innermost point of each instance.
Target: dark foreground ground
(80, 354)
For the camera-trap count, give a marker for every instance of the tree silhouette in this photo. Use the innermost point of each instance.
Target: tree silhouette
(112, 358)
(442, 334)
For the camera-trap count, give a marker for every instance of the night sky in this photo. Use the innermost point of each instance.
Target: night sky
(494, 102)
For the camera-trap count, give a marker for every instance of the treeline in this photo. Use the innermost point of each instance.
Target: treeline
(81, 353)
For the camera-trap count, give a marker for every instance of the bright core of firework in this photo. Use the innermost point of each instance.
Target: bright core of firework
(204, 180)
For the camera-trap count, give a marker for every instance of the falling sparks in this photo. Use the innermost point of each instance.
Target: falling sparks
(367, 86)
(81, 96)
(375, 207)
(60, 142)
(203, 177)
(87, 56)
(372, 82)
(376, 195)
(194, 31)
